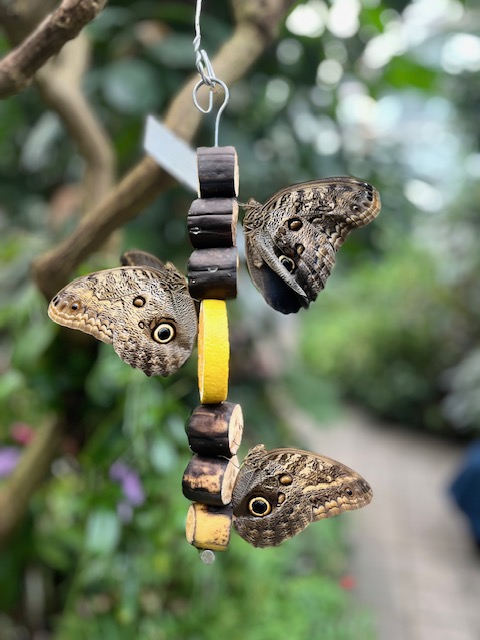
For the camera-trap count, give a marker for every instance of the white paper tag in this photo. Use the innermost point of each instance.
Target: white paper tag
(171, 153)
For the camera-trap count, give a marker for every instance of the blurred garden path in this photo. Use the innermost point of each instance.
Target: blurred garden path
(412, 560)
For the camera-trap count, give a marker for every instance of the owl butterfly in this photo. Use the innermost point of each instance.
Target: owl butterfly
(292, 239)
(278, 493)
(142, 308)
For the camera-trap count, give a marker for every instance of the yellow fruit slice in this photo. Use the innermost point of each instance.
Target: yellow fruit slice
(209, 527)
(213, 351)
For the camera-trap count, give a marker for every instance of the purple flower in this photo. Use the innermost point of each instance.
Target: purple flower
(119, 470)
(130, 482)
(133, 489)
(9, 456)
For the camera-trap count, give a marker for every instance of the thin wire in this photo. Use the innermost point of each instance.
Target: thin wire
(202, 61)
(207, 75)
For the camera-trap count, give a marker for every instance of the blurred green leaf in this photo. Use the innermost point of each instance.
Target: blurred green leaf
(34, 342)
(163, 455)
(132, 86)
(176, 52)
(406, 73)
(102, 532)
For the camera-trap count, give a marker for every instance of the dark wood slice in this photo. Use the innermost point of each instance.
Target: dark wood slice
(212, 222)
(212, 273)
(215, 429)
(210, 480)
(217, 172)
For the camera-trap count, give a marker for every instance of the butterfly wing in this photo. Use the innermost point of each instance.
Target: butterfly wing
(278, 493)
(146, 313)
(138, 258)
(291, 240)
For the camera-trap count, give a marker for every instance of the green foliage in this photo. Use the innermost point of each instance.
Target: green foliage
(141, 577)
(387, 335)
(375, 334)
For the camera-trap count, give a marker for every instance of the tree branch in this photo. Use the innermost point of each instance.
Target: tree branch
(30, 471)
(19, 66)
(147, 180)
(59, 84)
(20, 17)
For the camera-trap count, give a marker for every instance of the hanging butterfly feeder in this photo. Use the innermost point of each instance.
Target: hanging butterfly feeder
(220, 492)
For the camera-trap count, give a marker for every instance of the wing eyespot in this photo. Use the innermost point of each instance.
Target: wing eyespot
(163, 333)
(288, 263)
(139, 301)
(259, 507)
(295, 224)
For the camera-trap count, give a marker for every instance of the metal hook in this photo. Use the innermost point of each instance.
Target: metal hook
(199, 84)
(207, 75)
(226, 97)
